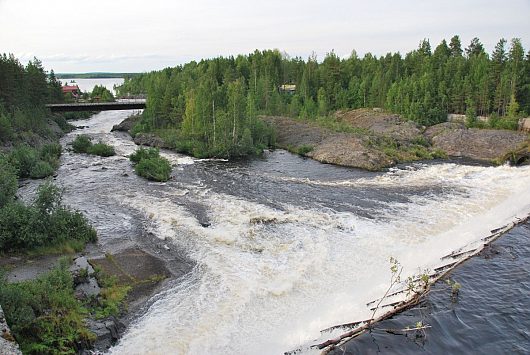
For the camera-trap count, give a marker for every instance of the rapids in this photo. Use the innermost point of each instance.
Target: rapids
(283, 247)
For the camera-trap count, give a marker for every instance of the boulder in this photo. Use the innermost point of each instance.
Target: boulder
(127, 124)
(151, 140)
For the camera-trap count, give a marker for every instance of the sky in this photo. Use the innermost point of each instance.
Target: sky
(138, 36)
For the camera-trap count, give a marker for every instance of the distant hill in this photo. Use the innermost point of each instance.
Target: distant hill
(96, 75)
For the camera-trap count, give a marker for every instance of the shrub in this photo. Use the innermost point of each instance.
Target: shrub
(44, 223)
(8, 182)
(23, 158)
(44, 315)
(81, 144)
(19, 228)
(101, 149)
(51, 152)
(304, 149)
(6, 131)
(41, 169)
(156, 169)
(144, 153)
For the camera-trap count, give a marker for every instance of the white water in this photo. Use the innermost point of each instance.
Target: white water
(267, 288)
(268, 280)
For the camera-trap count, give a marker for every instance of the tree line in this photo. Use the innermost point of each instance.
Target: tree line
(215, 101)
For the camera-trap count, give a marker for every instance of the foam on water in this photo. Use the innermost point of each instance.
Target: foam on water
(269, 280)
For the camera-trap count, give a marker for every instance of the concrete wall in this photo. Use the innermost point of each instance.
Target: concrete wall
(8, 345)
(524, 124)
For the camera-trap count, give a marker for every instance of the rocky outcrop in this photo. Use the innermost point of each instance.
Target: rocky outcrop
(346, 150)
(150, 140)
(127, 124)
(373, 139)
(370, 139)
(326, 145)
(489, 145)
(8, 345)
(380, 122)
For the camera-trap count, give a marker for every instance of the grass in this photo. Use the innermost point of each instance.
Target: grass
(155, 169)
(300, 150)
(399, 152)
(112, 296)
(144, 153)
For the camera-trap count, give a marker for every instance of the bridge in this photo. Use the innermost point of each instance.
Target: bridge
(98, 106)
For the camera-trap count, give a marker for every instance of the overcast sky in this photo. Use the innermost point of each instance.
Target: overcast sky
(130, 35)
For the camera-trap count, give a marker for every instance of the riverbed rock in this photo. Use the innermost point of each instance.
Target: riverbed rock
(151, 140)
(345, 150)
(127, 124)
(107, 331)
(135, 268)
(488, 145)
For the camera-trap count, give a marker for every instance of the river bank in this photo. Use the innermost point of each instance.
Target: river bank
(267, 252)
(142, 268)
(374, 140)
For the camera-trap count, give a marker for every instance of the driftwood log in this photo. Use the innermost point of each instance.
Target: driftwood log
(440, 272)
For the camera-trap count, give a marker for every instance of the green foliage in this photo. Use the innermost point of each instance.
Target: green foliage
(24, 158)
(35, 163)
(418, 149)
(44, 223)
(212, 102)
(149, 164)
(301, 150)
(101, 149)
(44, 315)
(41, 169)
(156, 169)
(50, 152)
(144, 153)
(83, 144)
(101, 93)
(112, 296)
(6, 130)
(8, 182)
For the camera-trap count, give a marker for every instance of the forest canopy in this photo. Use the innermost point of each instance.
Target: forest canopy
(213, 104)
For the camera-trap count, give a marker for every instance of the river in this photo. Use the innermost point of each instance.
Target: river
(282, 247)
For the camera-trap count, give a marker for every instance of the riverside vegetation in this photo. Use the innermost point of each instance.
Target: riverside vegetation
(83, 144)
(149, 164)
(44, 314)
(211, 107)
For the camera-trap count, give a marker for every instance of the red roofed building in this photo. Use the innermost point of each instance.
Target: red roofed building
(71, 89)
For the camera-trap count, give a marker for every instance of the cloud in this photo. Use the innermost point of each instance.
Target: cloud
(110, 34)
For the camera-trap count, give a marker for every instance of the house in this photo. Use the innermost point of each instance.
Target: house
(288, 88)
(71, 89)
